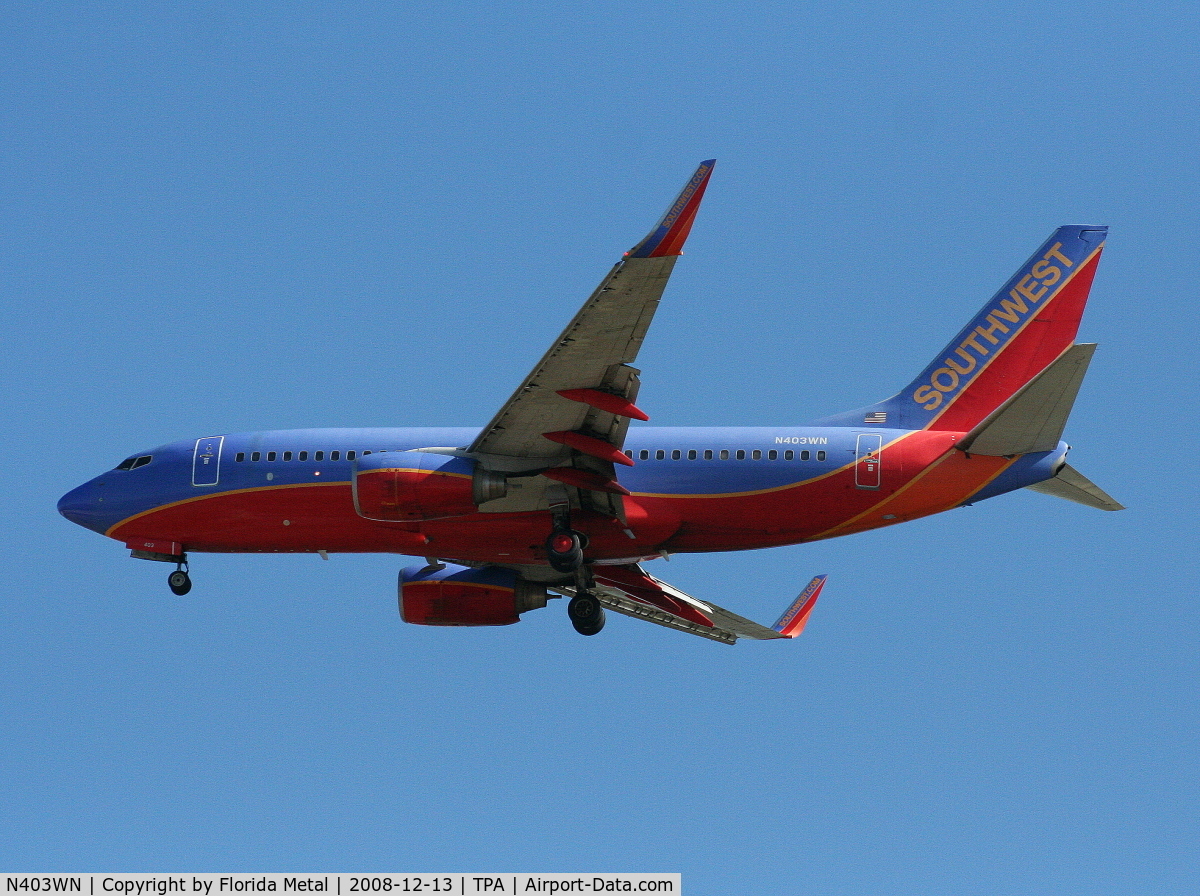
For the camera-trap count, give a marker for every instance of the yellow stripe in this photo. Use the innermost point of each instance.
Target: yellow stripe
(237, 491)
(412, 470)
(264, 488)
(460, 583)
(898, 492)
(1032, 317)
(777, 488)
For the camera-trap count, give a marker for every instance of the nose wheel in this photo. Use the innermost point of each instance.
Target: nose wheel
(179, 581)
(586, 613)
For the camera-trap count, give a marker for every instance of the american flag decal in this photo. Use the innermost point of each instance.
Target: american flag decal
(876, 417)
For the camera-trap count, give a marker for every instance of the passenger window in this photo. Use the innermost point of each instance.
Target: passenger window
(708, 454)
(644, 455)
(692, 454)
(270, 455)
(287, 455)
(320, 455)
(675, 455)
(789, 455)
(757, 455)
(741, 455)
(303, 455)
(724, 454)
(365, 453)
(349, 455)
(772, 454)
(257, 455)
(805, 455)
(629, 454)
(335, 455)
(820, 455)
(241, 456)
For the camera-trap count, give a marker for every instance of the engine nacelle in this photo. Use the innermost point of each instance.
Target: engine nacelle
(460, 595)
(402, 486)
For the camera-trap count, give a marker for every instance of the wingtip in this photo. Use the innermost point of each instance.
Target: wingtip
(668, 237)
(795, 617)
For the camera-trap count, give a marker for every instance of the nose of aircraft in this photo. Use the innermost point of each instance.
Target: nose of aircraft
(84, 505)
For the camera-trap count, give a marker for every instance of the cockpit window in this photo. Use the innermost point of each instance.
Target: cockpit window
(132, 463)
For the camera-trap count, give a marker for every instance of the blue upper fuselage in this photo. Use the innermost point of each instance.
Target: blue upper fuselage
(667, 461)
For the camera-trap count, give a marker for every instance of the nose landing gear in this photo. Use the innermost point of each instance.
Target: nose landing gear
(179, 581)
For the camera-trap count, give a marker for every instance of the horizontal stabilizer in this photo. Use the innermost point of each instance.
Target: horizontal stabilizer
(1074, 486)
(1034, 418)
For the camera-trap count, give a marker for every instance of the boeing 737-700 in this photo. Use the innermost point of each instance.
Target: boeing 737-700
(559, 495)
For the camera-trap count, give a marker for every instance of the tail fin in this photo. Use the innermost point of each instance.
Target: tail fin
(1020, 332)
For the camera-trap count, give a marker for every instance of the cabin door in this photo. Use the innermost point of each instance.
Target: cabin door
(868, 466)
(206, 461)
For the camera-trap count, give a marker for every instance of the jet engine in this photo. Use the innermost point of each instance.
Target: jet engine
(459, 595)
(402, 486)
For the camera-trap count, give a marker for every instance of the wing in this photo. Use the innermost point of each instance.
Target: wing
(633, 592)
(572, 411)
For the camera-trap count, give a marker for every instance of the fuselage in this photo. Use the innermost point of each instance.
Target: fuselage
(561, 491)
(692, 489)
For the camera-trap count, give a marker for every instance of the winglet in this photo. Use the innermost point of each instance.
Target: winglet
(795, 617)
(669, 236)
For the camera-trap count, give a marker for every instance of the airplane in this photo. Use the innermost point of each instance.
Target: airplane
(559, 496)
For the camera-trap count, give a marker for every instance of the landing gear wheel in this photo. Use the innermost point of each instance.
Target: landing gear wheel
(590, 628)
(586, 614)
(179, 582)
(564, 550)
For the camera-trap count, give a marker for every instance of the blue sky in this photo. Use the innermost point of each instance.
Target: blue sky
(223, 216)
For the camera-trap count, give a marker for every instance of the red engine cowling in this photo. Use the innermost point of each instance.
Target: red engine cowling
(459, 595)
(402, 486)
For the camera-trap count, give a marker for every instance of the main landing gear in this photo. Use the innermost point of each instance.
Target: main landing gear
(179, 581)
(564, 549)
(564, 552)
(586, 613)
